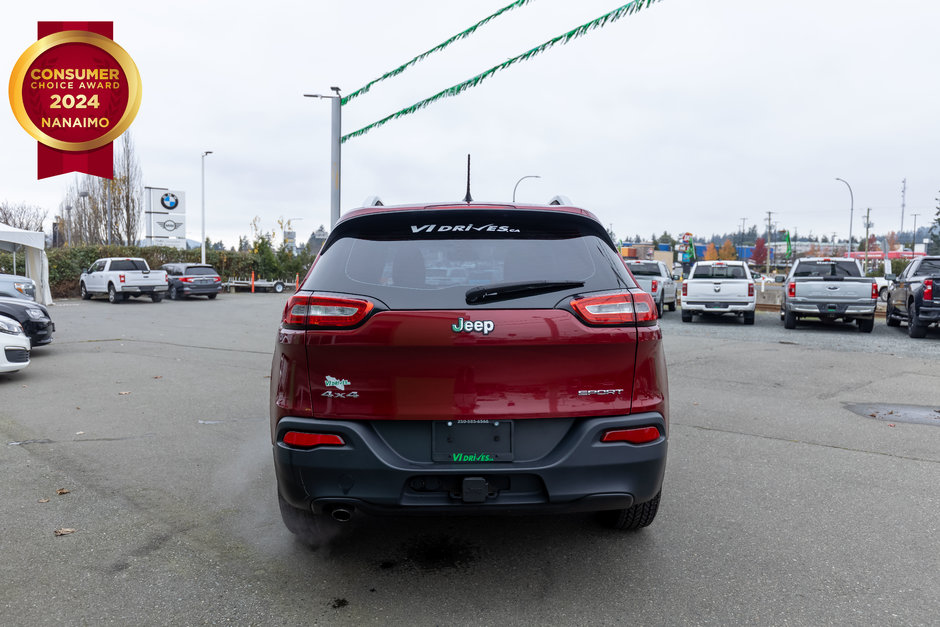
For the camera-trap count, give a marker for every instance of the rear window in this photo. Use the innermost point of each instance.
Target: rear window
(644, 269)
(827, 268)
(129, 264)
(200, 270)
(429, 259)
(718, 272)
(929, 266)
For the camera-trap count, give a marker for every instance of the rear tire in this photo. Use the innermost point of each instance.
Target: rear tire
(789, 320)
(311, 529)
(748, 317)
(883, 293)
(278, 287)
(891, 316)
(632, 518)
(173, 293)
(113, 297)
(866, 325)
(686, 316)
(672, 305)
(212, 296)
(914, 329)
(156, 297)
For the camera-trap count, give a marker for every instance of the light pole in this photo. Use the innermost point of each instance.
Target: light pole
(335, 143)
(528, 176)
(914, 235)
(851, 211)
(68, 225)
(202, 242)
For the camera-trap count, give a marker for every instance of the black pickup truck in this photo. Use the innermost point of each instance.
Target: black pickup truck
(914, 296)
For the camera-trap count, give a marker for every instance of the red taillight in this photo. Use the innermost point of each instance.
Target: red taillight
(641, 435)
(311, 440)
(217, 279)
(623, 308)
(325, 311)
(185, 279)
(121, 278)
(874, 290)
(750, 289)
(654, 285)
(685, 289)
(928, 289)
(791, 290)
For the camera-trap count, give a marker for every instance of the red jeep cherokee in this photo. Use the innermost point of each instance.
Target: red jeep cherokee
(468, 358)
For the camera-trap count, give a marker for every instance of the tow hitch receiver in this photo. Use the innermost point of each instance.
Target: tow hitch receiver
(475, 490)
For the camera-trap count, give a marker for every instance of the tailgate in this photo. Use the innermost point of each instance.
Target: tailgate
(834, 289)
(723, 289)
(421, 365)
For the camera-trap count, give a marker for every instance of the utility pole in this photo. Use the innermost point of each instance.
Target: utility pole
(868, 225)
(914, 236)
(767, 264)
(743, 220)
(903, 193)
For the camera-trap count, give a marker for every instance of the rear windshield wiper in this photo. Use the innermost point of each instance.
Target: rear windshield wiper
(507, 291)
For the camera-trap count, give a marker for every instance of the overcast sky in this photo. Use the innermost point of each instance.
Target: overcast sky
(690, 115)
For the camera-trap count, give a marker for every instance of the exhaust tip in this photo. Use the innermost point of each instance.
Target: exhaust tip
(341, 514)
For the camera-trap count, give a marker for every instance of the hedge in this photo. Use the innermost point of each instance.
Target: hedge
(66, 264)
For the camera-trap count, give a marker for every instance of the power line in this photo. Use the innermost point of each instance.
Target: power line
(461, 35)
(627, 9)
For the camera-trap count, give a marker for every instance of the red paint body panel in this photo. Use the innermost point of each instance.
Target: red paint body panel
(412, 365)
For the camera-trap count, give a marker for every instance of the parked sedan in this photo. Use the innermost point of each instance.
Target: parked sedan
(15, 286)
(192, 279)
(33, 317)
(14, 346)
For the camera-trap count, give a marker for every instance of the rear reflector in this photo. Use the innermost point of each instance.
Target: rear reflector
(311, 440)
(325, 311)
(642, 435)
(616, 309)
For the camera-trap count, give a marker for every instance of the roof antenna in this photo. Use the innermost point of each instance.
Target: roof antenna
(468, 198)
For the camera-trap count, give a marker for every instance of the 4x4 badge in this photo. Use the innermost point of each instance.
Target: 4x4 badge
(470, 326)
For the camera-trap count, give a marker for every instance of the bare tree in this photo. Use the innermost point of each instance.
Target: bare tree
(23, 216)
(88, 199)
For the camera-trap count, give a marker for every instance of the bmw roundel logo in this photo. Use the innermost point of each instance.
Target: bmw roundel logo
(169, 201)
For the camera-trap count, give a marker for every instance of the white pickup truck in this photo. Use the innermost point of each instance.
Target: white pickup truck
(719, 287)
(122, 277)
(829, 288)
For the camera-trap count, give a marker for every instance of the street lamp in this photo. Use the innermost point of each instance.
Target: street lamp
(851, 211)
(202, 243)
(528, 176)
(335, 142)
(914, 236)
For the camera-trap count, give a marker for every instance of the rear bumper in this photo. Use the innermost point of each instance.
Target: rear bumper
(190, 289)
(143, 289)
(856, 309)
(718, 306)
(577, 473)
(928, 313)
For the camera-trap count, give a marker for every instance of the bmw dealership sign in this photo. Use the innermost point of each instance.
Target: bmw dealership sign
(166, 217)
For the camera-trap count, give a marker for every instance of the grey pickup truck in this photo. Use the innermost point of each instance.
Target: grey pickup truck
(915, 296)
(829, 289)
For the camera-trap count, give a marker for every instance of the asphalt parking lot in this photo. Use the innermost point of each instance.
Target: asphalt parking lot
(797, 490)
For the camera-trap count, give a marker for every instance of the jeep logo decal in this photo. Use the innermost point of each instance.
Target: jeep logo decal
(471, 326)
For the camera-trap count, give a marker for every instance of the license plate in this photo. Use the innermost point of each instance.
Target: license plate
(713, 306)
(472, 442)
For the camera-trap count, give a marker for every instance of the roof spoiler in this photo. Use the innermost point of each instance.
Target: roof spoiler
(373, 201)
(560, 200)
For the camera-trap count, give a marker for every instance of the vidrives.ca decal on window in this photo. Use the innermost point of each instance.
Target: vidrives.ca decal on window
(462, 228)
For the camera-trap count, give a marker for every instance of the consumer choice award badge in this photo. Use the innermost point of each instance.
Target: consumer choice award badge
(75, 91)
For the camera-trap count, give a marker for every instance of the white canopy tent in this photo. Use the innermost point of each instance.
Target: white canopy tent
(37, 265)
